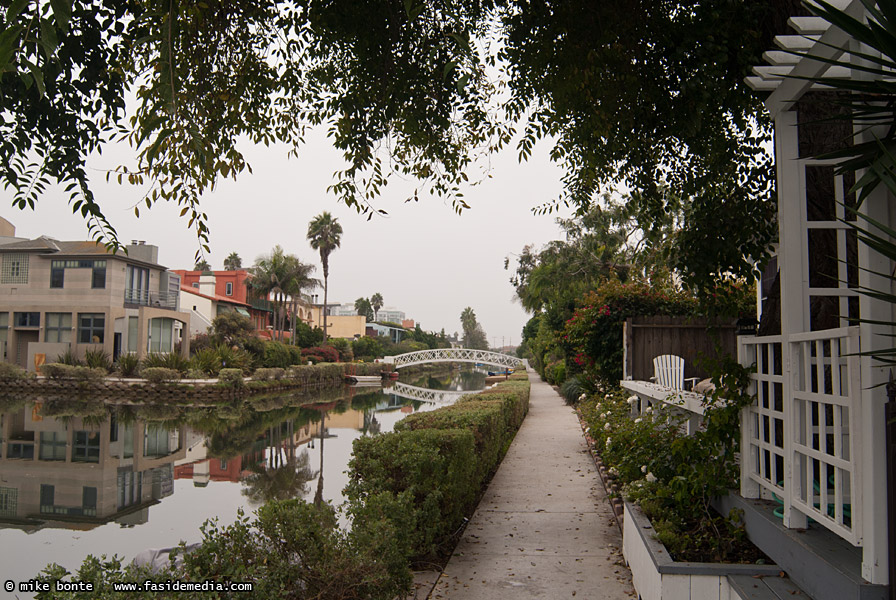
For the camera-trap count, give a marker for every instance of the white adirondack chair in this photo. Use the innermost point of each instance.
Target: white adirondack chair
(668, 371)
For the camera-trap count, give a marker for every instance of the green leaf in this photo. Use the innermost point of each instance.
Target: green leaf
(12, 13)
(62, 12)
(48, 39)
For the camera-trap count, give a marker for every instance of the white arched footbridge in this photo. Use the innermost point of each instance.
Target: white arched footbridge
(485, 357)
(413, 392)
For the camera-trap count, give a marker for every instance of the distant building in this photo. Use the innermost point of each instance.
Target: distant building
(210, 293)
(391, 315)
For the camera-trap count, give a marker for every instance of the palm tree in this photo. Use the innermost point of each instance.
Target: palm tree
(297, 278)
(376, 301)
(267, 280)
(233, 262)
(202, 265)
(324, 234)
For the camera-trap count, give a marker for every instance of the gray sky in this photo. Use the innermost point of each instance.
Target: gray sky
(423, 258)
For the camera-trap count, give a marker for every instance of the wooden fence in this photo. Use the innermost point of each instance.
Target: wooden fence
(645, 338)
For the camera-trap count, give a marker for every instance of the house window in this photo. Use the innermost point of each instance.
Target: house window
(160, 334)
(133, 323)
(98, 279)
(9, 501)
(137, 280)
(58, 327)
(4, 332)
(14, 268)
(52, 445)
(91, 328)
(47, 498)
(87, 446)
(88, 501)
(57, 274)
(27, 319)
(228, 288)
(196, 285)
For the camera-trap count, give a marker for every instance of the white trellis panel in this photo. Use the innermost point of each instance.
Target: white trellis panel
(469, 355)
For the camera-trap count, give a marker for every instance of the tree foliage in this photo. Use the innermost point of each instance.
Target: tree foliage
(363, 307)
(474, 335)
(233, 262)
(649, 93)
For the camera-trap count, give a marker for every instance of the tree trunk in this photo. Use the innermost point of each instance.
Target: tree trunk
(325, 308)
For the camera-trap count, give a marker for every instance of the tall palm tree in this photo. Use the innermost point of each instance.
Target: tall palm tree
(376, 301)
(325, 235)
(202, 265)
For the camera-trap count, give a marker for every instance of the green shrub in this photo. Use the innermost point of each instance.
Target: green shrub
(231, 377)
(167, 360)
(160, 374)
(97, 359)
(58, 370)
(572, 390)
(343, 347)
(276, 354)
(69, 358)
(429, 472)
(266, 374)
(195, 374)
(128, 365)
(207, 361)
(11, 372)
(486, 421)
(234, 358)
(295, 356)
(91, 374)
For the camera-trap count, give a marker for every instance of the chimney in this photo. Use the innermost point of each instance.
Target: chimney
(140, 250)
(207, 283)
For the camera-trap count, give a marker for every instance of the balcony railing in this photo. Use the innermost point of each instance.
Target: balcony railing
(153, 299)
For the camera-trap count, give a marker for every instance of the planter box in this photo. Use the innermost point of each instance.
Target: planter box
(657, 577)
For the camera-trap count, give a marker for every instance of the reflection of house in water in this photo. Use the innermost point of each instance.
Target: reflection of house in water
(68, 473)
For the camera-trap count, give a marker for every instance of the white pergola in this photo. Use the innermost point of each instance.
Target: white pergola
(815, 436)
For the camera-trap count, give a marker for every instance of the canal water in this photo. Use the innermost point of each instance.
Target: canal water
(80, 477)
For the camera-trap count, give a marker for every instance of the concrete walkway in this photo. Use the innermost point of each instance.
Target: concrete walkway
(544, 528)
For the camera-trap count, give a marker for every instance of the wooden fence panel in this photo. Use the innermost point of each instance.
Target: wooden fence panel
(690, 338)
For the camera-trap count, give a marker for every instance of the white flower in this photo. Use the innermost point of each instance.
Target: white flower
(643, 468)
(648, 409)
(609, 440)
(651, 477)
(632, 399)
(603, 415)
(638, 420)
(614, 471)
(606, 427)
(606, 396)
(582, 397)
(588, 430)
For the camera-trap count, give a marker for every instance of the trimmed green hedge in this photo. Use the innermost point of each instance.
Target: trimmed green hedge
(435, 464)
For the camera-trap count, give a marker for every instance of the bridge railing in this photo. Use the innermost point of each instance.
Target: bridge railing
(470, 355)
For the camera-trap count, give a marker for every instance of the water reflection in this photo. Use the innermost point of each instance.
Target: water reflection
(81, 476)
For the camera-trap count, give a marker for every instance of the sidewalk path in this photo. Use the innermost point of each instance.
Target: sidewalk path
(544, 528)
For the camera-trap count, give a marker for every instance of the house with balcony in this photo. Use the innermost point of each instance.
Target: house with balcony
(216, 291)
(58, 296)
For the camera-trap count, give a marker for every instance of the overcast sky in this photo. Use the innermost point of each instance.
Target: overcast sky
(423, 258)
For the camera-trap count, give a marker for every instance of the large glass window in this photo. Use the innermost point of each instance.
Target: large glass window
(14, 268)
(52, 445)
(137, 285)
(88, 501)
(57, 274)
(58, 327)
(86, 447)
(160, 334)
(91, 328)
(27, 319)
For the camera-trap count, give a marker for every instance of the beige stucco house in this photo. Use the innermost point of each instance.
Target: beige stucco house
(57, 296)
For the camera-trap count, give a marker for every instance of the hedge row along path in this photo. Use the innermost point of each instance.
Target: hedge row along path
(544, 528)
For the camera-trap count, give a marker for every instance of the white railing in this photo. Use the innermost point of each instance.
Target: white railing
(484, 357)
(426, 395)
(800, 437)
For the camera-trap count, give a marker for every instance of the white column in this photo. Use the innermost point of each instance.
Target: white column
(793, 278)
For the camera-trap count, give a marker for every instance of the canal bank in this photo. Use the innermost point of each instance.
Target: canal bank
(544, 528)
